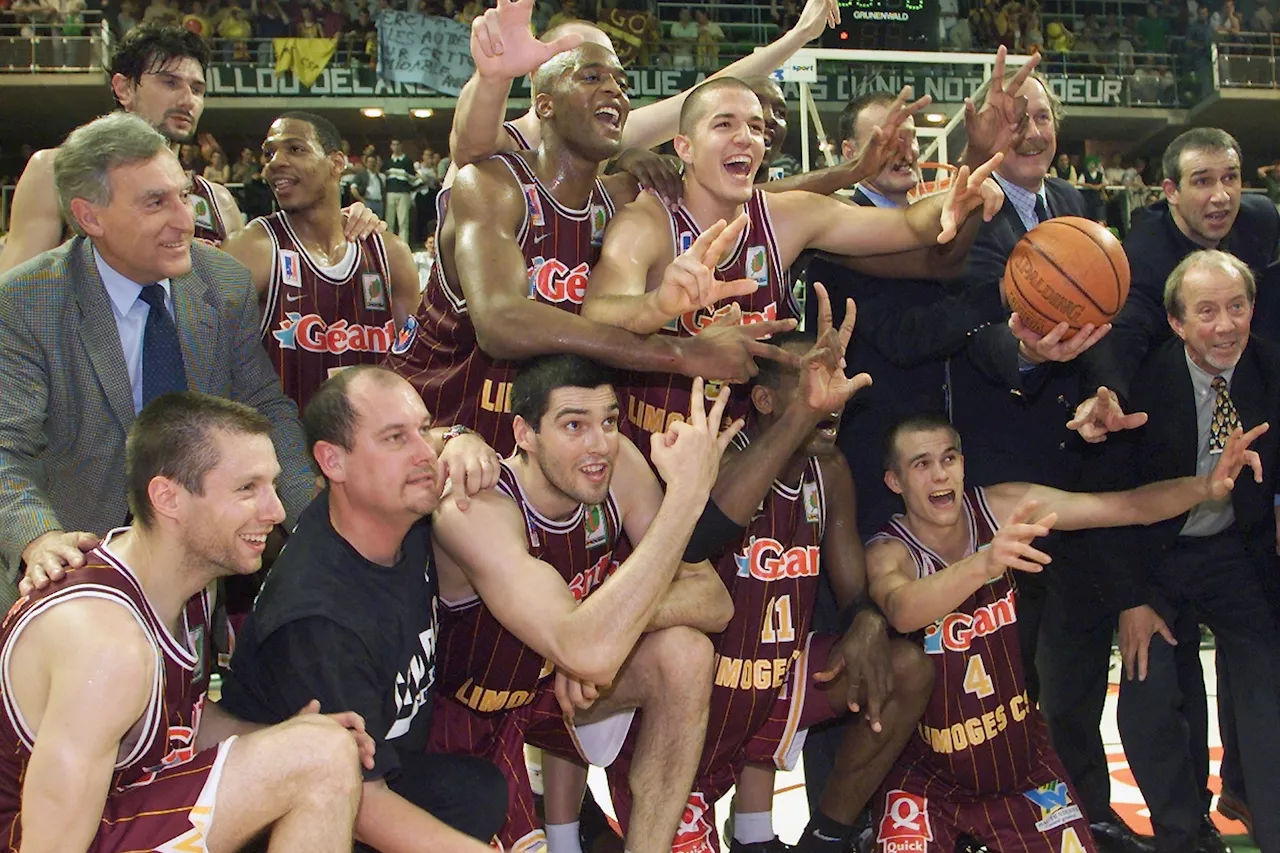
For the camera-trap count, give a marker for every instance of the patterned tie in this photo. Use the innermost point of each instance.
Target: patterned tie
(163, 370)
(1042, 212)
(1225, 420)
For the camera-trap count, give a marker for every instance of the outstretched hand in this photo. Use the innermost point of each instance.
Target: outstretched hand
(817, 16)
(689, 282)
(1101, 415)
(1235, 455)
(966, 194)
(503, 45)
(824, 388)
(888, 143)
(1001, 120)
(1011, 546)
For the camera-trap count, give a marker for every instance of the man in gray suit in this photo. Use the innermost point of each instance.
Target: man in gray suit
(94, 329)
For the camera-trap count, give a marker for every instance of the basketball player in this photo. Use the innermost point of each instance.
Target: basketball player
(790, 489)
(159, 73)
(518, 241)
(327, 302)
(504, 49)
(531, 580)
(721, 142)
(108, 741)
(982, 764)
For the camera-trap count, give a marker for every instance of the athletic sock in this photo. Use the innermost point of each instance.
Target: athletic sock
(753, 827)
(563, 838)
(824, 835)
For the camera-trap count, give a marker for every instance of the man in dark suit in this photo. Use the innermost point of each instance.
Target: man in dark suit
(92, 330)
(1216, 564)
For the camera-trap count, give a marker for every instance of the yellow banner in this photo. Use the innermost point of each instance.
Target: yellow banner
(306, 58)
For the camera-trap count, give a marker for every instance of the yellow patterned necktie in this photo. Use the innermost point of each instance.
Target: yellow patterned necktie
(1225, 420)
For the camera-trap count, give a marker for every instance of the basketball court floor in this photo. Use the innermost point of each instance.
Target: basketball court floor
(791, 808)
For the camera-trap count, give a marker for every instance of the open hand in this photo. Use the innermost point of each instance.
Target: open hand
(689, 282)
(1001, 120)
(1102, 414)
(1235, 455)
(503, 45)
(1011, 546)
(967, 194)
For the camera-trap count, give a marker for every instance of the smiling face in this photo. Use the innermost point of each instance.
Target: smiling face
(1027, 162)
(298, 171)
(144, 232)
(1206, 199)
(898, 177)
(929, 474)
(224, 529)
(725, 147)
(169, 97)
(576, 443)
(1217, 312)
(583, 94)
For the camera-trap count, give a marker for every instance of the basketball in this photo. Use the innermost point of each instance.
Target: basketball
(1069, 268)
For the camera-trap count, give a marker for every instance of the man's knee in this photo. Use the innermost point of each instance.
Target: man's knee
(318, 753)
(681, 654)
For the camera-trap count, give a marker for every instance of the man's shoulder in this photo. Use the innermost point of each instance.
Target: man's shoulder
(43, 283)
(1063, 192)
(220, 272)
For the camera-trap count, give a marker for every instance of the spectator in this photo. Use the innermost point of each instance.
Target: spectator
(470, 11)
(1032, 34)
(426, 260)
(785, 16)
(217, 171)
(67, 35)
(308, 27)
(1225, 21)
(1262, 21)
(1270, 176)
(269, 22)
(568, 12)
(1109, 31)
(189, 157)
(1063, 169)
(361, 34)
(683, 35)
(1114, 171)
(334, 20)
(400, 179)
(127, 18)
(709, 37)
(424, 194)
(208, 144)
(350, 185)
(1153, 31)
(1093, 185)
(442, 166)
(1061, 39)
(1199, 33)
(197, 21)
(374, 186)
(246, 169)
(237, 28)
(159, 12)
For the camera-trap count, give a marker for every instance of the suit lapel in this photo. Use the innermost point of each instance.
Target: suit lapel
(1248, 390)
(197, 322)
(100, 335)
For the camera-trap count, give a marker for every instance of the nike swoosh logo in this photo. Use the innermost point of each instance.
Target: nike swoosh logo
(540, 238)
(289, 297)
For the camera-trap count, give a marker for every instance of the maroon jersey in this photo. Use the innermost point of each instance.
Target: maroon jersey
(773, 577)
(517, 137)
(164, 736)
(653, 400)
(319, 320)
(437, 349)
(209, 225)
(979, 731)
(484, 666)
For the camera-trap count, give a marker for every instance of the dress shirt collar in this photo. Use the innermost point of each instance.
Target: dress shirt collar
(123, 291)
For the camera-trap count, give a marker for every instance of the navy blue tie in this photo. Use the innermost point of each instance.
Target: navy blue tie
(163, 370)
(1042, 212)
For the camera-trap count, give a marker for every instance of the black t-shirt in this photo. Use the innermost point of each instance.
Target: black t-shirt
(330, 625)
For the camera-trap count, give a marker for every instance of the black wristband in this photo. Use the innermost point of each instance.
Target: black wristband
(713, 532)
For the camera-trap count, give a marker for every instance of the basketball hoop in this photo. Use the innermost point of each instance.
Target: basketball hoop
(943, 175)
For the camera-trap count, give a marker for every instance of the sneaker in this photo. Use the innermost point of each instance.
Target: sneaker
(773, 845)
(1233, 807)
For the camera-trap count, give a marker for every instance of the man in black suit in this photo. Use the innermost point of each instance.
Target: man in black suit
(1216, 564)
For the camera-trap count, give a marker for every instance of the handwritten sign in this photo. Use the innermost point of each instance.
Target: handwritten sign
(429, 51)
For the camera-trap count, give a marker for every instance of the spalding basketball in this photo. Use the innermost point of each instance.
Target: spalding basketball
(1068, 268)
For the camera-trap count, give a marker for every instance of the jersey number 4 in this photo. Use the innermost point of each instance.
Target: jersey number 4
(778, 627)
(976, 680)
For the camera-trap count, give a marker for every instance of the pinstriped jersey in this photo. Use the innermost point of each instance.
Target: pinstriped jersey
(437, 350)
(517, 137)
(210, 227)
(979, 730)
(483, 665)
(164, 735)
(772, 575)
(653, 400)
(319, 320)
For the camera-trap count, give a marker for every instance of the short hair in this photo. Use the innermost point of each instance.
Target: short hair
(919, 422)
(772, 372)
(326, 134)
(848, 122)
(1196, 139)
(539, 377)
(149, 47)
(171, 438)
(695, 105)
(329, 415)
(1203, 258)
(1055, 103)
(82, 167)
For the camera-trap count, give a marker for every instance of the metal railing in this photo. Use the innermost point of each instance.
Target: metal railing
(1245, 61)
(32, 46)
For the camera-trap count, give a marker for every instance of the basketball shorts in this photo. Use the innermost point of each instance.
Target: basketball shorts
(740, 730)
(500, 739)
(917, 812)
(172, 811)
